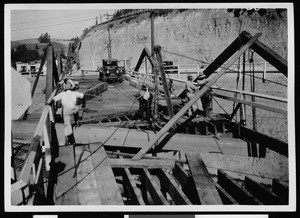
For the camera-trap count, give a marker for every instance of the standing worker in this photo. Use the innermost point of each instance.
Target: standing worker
(206, 98)
(145, 101)
(70, 105)
(190, 92)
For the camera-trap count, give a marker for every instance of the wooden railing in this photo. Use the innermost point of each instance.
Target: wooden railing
(31, 183)
(179, 86)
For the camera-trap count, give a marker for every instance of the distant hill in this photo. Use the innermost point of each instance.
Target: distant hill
(33, 44)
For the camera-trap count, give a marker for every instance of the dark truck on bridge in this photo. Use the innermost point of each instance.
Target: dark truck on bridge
(112, 70)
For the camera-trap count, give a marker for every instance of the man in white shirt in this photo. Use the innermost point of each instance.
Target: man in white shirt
(70, 109)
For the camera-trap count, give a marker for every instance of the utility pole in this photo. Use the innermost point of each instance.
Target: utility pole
(154, 68)
(109, 40)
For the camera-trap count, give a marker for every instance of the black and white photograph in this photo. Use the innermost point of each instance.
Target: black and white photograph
(182, 107)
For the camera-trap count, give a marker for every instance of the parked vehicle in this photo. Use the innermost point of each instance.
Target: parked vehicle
(112, 70)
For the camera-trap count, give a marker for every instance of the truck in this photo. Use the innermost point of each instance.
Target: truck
(112, 70)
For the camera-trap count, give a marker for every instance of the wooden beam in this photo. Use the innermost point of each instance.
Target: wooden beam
(87, 184)
(207, 191)
(172, 121)
(267, 53)
(153, 188)
(169, 184)
(145, 53)
(261, 193)
(281, 190)
(49, 75)
(241, 195)
(267, 141)
(148, 157)
(179, 173)
(222, 58)
(95, 91)
(108, 189)
(259, 95)
(225, 196)
(145, 163)
(135, 193)
(66, 189)
(251, 103)
(157, 49)
(134, 139)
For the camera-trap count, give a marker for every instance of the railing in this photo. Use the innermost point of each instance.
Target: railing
(179, 86)
(182, 70)
(31, 183)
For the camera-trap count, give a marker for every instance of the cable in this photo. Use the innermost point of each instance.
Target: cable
(41, 27)
(223, 108)
(230, 69)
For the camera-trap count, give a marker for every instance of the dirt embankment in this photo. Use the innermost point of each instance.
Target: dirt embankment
(201, 34)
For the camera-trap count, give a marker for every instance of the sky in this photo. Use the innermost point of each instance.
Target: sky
(62, 21)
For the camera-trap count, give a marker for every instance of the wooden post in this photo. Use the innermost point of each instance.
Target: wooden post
(164, 80)
(58, 64)
(216, 76)
(264, 73)
(152, 32)
(49, 76)
(243, 108)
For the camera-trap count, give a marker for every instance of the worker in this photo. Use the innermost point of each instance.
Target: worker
(206, 98)
(145, 100)
(70, 101)
(171, 88)
(68, 84)
(190, 93)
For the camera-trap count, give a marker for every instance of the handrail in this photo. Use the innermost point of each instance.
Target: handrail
(32, 172)
(180, 82)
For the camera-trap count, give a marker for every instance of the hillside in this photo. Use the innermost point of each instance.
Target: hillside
(201, 34)
(33, 44)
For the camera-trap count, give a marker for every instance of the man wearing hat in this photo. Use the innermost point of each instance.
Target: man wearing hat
(190, 92)
(206, 98)
(145, 100)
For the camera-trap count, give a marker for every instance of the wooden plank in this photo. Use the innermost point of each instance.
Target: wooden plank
(153, 188)
(132, 138)
(169, 184)
(254, 136)
(145, 163)
(261, 193)
(108, 188)
(95, 90)
(201, 92)
(225, 196)
(281, 190)
(135, 192)
(157, 49)
(253, 104)
(186, 183)
(180, 175)
(259, 95)
(145, 53)
(86, 179)
(31, 157)
(237, 167)
(241, 195)
(268, 54)
(207, 191)
(66, 189)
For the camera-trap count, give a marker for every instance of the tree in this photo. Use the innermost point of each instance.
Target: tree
(44, 38)
(24, 55)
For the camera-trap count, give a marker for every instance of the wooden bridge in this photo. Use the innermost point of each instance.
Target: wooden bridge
(218, 162)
